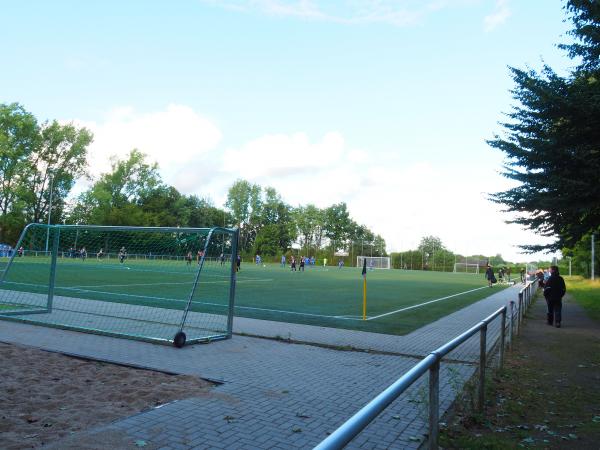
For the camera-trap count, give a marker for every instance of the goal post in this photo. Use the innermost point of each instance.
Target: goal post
(167, 285)
(466, 268)
(374, 262)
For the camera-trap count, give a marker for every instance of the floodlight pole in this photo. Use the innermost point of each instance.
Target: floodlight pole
(569, 264)
(49, 210)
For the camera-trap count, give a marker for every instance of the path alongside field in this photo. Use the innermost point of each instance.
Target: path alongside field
(547, 396)
(278, 394)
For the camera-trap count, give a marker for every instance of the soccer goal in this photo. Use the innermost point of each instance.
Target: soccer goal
(168, 285)
(466, 268)
(374, 262)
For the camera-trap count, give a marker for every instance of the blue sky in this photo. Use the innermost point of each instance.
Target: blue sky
(385, 105)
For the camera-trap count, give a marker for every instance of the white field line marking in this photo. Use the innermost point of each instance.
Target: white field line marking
(282, 311)
(161, 284)
(425, 303)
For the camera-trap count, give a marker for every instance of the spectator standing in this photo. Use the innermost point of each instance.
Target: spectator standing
(489, 275)
(554, 291)
(540, 277)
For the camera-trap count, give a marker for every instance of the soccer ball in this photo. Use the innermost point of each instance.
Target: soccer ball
(264, 265)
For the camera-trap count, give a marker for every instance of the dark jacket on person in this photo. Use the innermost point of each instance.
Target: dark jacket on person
(489, 273)
(554, 288)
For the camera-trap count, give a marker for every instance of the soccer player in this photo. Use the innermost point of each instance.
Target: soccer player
(188, 259)
(122, 255)
(238, 262)
(222, 258)
(293, 263)
(282, 260)
(83, 253)
(302, 263)
(100, 254)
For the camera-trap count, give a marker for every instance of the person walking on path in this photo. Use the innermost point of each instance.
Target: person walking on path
(540, 277)
(554, 291)
(489, 275)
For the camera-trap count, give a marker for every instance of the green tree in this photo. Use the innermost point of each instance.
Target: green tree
(34, 158)
(552, 141)
(338, 225)
(431, 248)
(276, 220)
(203, 214)
(117, 197)
(244, 202)
(59, 158)
(18, 139)
(310, 223)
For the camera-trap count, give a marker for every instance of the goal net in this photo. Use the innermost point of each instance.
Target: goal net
(374, 262)
(168, 285)
(466, 268)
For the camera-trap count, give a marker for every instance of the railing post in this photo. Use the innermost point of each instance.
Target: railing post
(434, 405)
(519, 307)
(502, 337)
(482, 362)
(511, 324)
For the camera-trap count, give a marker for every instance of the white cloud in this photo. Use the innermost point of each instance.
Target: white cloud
(176, 138)
(500, 14)
(284, 155)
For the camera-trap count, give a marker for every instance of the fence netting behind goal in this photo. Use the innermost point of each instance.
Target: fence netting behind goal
(154, 284)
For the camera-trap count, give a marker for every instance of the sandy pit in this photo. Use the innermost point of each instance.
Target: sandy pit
(45, 396)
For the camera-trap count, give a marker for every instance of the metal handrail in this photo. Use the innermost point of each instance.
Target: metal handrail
(353, 426)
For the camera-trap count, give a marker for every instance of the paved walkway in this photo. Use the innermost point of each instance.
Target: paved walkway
(278, 395)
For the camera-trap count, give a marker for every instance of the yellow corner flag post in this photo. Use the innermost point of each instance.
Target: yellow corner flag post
(364, 274)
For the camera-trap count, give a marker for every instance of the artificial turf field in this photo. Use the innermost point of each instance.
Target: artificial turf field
(330, 296)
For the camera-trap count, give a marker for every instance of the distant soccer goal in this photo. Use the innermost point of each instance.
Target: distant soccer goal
(169, 285)
(466, 268)
(374, 262)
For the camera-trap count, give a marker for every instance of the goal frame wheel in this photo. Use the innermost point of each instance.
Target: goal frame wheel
(179, 339)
